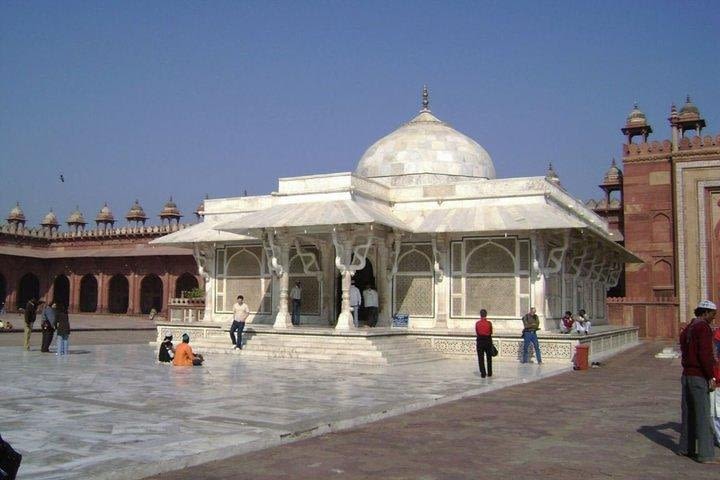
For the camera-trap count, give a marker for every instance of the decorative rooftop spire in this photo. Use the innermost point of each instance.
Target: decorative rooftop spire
(425, 99)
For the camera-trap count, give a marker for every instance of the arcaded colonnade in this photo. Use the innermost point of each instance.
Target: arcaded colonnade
(119, 285)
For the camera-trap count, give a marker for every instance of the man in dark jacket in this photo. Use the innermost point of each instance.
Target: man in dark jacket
(696, 434)
(48, 327)
(531, 324)
(30, 313)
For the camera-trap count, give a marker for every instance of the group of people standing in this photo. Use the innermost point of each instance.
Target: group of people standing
(368, 300)
(486, 349)
(700, 403)
(54, 320)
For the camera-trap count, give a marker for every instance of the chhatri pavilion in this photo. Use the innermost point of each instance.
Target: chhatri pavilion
(424, 220)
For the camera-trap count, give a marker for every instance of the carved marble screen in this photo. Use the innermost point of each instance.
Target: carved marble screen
(309, 275)
(242, 270)
(489, 273)
(414, 286)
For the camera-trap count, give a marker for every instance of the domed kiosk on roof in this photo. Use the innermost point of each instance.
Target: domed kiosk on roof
(50, 221)
(105, 217)
(170, 212)
(16, 217)
(76, 220)
(136, 214)
(425, 151)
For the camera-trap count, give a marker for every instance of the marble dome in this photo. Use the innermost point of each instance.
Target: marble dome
(425, 151)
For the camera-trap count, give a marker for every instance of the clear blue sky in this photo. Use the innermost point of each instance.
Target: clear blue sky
(157, 98)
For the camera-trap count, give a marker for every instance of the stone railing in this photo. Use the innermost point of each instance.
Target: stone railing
(186, 309)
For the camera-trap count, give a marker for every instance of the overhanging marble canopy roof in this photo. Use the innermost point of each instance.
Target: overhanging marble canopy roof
(202, 232)
(314, 214)
(488, 218)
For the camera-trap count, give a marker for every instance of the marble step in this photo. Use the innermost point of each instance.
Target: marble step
(328, 358)
(366, 350)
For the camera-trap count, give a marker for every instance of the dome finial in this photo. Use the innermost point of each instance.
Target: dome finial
(425, 99)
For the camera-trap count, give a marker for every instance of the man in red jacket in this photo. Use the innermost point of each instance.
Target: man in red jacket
(483, 343)
(698, 380)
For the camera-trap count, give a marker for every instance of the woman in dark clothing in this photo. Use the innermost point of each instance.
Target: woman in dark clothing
(167, 350)
(62, 323)
(484, 344)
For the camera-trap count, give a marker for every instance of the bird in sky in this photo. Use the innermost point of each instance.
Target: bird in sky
(62, 178)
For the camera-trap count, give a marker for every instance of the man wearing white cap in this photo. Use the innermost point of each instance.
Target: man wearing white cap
(696, 434)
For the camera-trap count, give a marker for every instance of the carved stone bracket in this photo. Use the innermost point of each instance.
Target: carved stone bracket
(344, 261)
(394, 240)
(272, 252)
(439, 257)
(309, 260)
(556, 256)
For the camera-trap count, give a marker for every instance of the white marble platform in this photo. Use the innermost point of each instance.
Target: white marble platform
(112, 412)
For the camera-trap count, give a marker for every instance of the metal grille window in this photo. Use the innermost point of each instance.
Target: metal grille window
(243, 271)
(414, 286)
(490, 273)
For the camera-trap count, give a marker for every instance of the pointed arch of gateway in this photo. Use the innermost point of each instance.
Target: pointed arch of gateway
(118, 294)
(61, 290)
(28, 287)
(88, 293)
(185, 283)
(3, 290)
(151, 294)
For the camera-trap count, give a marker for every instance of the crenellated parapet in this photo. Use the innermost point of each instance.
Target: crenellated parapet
(631, 150)
(139, 232)
(696, 143)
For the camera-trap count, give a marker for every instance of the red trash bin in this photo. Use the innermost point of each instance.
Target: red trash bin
(582, 355)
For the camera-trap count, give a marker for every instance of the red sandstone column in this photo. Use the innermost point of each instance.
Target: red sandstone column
(134, 291)
(103, 293)
(166, 291)
(74, 306)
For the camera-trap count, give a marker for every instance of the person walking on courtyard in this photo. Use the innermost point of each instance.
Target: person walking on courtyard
(355, 301)
(370, 298)
(62, 322)
(30, 314)
(483, 343)
(48, 327)
(531, 324)
(582, 323)
(566, 322)
(240, 314)
(184, 356)
(698, 380)
(296, 296)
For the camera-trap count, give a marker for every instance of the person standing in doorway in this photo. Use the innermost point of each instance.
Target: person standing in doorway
(240, 314)
(296, 296)
(48, 327)
(698, 380)
(62, 322)
(531, 324)
(30, 314)
(355, 301)
(372, 303)
(483, 343)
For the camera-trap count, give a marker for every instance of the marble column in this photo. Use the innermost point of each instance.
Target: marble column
(345, 319)
(384, 285)
(442, 285)
(537, 287)
(282, 319)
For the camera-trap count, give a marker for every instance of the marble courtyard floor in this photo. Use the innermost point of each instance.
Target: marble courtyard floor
(111, 411)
